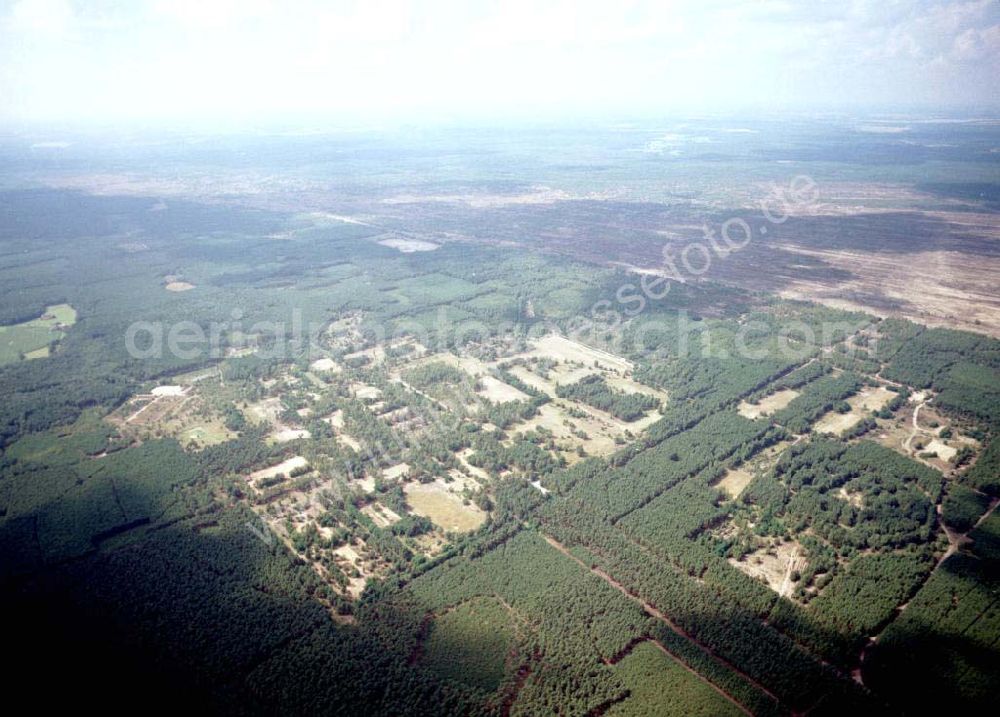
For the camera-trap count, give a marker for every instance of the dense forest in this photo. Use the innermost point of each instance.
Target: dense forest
(305, 548)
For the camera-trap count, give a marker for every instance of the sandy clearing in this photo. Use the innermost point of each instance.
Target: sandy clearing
(409, 246)
(868, 399)
(327, 365)
(366, 392)
(349, 441)
(871, 399)
(629, 386)
(461, 482)
(734, 481)
(265, 411)
(335, 419)
(775, 569)
(600, 433)
(768, 405)
(500, 392)
(396, 471)
(835, 423)
(565, 349)
(284, 435)
(944, 452)
(855, 498)
(534, 380)
(168, 391)
(286, 467)
(380, 515)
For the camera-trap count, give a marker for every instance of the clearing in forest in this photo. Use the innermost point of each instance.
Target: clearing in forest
(325, 365)
(409, 246)
(382, 517)
(768, 405)
(595, 435)
(774, 565)
(499, 392)
(862, 403)
(734, 481)
(285, 434)
(559, 347)
(446, 509)
(31, 339)
(285, 467)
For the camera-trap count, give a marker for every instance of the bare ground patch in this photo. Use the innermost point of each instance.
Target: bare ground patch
(768, 405)
(285, 467)
(734, 481)
(773, 565)
(499, 392)
(862, 403)
(444, 508)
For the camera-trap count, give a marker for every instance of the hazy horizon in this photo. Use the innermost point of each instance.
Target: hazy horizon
(252, 63)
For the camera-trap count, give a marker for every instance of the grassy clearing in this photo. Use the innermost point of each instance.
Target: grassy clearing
(595, 435)
(205, 434)
(444, 508)
(31, 339)
(470, 643)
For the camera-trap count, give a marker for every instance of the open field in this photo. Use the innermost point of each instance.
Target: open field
(283, 435)
(31, 339)
(499, 392)
(443, 507)
(264, 411)
(598, 433)
(565, 349)
(209, 433)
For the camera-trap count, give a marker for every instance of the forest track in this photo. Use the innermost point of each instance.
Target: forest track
(655, 612)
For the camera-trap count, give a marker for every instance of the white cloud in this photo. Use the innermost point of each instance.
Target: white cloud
(53, 17)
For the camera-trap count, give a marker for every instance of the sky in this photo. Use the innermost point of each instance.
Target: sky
(171, 60)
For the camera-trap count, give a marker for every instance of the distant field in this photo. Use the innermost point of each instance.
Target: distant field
(31, 339)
